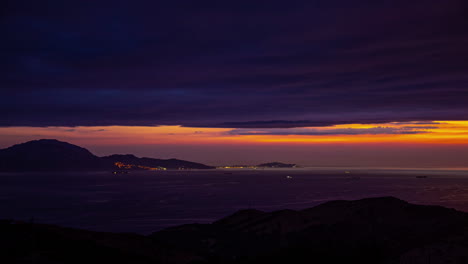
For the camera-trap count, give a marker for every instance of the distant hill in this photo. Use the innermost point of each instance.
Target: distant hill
(54, 155)
(154, 163)
(276, 165)
(368, 231)
(48, 155)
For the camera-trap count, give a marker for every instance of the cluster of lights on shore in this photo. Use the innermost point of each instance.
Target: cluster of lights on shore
(125, 166)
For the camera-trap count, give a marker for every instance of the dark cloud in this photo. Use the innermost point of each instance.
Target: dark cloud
(421, 127)
(232, 64)
(418, 123)
(322, 132)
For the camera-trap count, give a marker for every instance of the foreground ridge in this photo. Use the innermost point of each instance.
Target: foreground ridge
(371, 230)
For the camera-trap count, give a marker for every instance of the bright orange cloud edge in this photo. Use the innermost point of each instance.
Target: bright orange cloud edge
(436, 132)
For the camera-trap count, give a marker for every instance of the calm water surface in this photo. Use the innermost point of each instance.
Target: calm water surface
(144, 202)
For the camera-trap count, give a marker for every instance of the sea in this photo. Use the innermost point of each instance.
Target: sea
(147, 201)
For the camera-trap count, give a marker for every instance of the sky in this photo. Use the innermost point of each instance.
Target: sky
(320, 83)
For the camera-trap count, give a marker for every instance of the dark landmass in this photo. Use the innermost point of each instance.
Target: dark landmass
(276, 165)
(375, 230)
(49, 155)
(264, 165)
(155, 163)
(54, 155)
(237, 166)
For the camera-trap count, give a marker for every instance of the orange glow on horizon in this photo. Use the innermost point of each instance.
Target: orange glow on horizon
(437, 132)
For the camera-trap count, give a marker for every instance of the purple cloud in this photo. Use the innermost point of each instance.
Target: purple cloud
(323, 132)
(219, 64)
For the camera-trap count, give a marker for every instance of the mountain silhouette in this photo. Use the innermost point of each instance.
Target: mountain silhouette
(154, 163)
(373, 230)
(48, 155)
(54, 155)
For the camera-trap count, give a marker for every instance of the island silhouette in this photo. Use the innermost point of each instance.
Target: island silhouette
(54, 155)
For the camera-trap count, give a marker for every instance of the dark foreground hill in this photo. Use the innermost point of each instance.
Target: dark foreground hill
(54, 155)
(375, 230)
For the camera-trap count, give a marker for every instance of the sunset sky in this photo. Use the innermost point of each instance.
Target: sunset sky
(318, 83)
